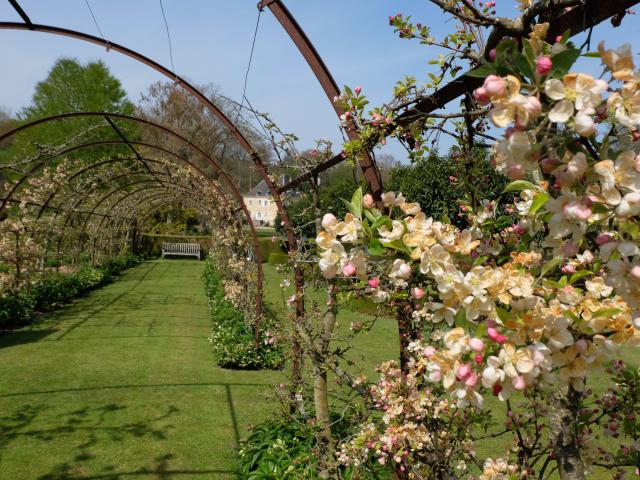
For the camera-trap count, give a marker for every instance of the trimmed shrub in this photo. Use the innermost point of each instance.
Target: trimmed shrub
(17, 309)
(278, 259)
(231, 337)
(268, 247)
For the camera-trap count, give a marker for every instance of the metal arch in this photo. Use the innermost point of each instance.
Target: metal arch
(141, 58)
(169, 131)
(328, 83)
(291, 237)
(228, 181)
(45, 205)
(108, 180)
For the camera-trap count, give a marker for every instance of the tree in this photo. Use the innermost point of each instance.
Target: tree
(180, 111)
(72, 87)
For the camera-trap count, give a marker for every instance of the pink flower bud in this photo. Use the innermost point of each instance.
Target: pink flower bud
(516, 172)
(519, 229)
(544, 65)
(492, 55)
(603, 239)
(358, 90)
(349, 269)
(581, 345)
(435, 375)
(463, 371)
(329, 220)
(635, 272)
(367, 201)
(494, 85)
(558, 38)
(471, 381)
(374, 282)
(577, 210)
(476, 345)
(533, 106)
(497, 388)
(568, 269)
(417, 293)
(479, 358)
(481, 95)
(518, 383)
(501, 339)
(492, 333)
(548, 165)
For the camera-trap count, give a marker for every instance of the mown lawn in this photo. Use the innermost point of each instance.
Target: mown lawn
(122, 384)
(381, 343)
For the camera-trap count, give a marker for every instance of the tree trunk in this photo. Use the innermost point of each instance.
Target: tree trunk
(324, 441)
(563, 433)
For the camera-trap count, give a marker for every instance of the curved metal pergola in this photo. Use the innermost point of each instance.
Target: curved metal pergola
(148, 123)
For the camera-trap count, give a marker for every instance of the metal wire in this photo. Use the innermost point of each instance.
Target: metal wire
(246, 75)
(166, 26)
(94, 18)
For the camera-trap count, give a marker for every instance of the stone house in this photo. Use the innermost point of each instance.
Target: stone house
(261, 205)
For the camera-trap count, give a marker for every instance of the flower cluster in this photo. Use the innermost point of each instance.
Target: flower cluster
(549, 298)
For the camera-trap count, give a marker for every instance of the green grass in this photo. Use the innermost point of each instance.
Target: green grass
(381, 343)
(123, 384)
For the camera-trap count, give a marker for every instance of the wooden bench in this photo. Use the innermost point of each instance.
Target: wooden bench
(183, 249)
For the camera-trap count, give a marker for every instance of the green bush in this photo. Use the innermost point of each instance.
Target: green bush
(56, 289)
(232, 339)
(283, 449)
(278, 259)
(268, 247)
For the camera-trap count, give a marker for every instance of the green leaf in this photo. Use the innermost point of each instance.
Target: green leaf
(397, 245)
(598, 207)
(539, 200)
(523, 66)
(519, 185)
(372, 219)
(550, 265)
(356, 202)
(461, 318)
(381, 220)
(483, 71)
(503, 314)
(607, 312)
(578, 275)
(375, 248)
(479, 261)
(563, 61)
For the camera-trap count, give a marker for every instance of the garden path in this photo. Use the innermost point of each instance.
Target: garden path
(122, 384)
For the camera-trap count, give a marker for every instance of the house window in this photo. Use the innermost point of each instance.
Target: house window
(259, 215)
(250, 202)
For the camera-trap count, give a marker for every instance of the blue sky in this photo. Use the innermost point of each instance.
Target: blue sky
(211, 43)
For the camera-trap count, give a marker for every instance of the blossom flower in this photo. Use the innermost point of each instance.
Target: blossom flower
(349, 228)
(575, 92)
(626, 104)
(619, 61)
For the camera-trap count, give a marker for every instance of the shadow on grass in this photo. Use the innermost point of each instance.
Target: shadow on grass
(108, 303)
(21, 337)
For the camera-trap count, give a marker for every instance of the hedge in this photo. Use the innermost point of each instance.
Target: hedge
(20, 308)
(232, 339)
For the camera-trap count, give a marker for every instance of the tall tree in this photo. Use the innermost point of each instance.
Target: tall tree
(71, 87)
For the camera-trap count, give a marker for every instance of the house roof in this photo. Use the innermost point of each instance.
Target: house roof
(260, 190)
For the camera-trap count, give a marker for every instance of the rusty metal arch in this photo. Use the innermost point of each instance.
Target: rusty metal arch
(328, 84)
(262, 169)
(235, 192)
